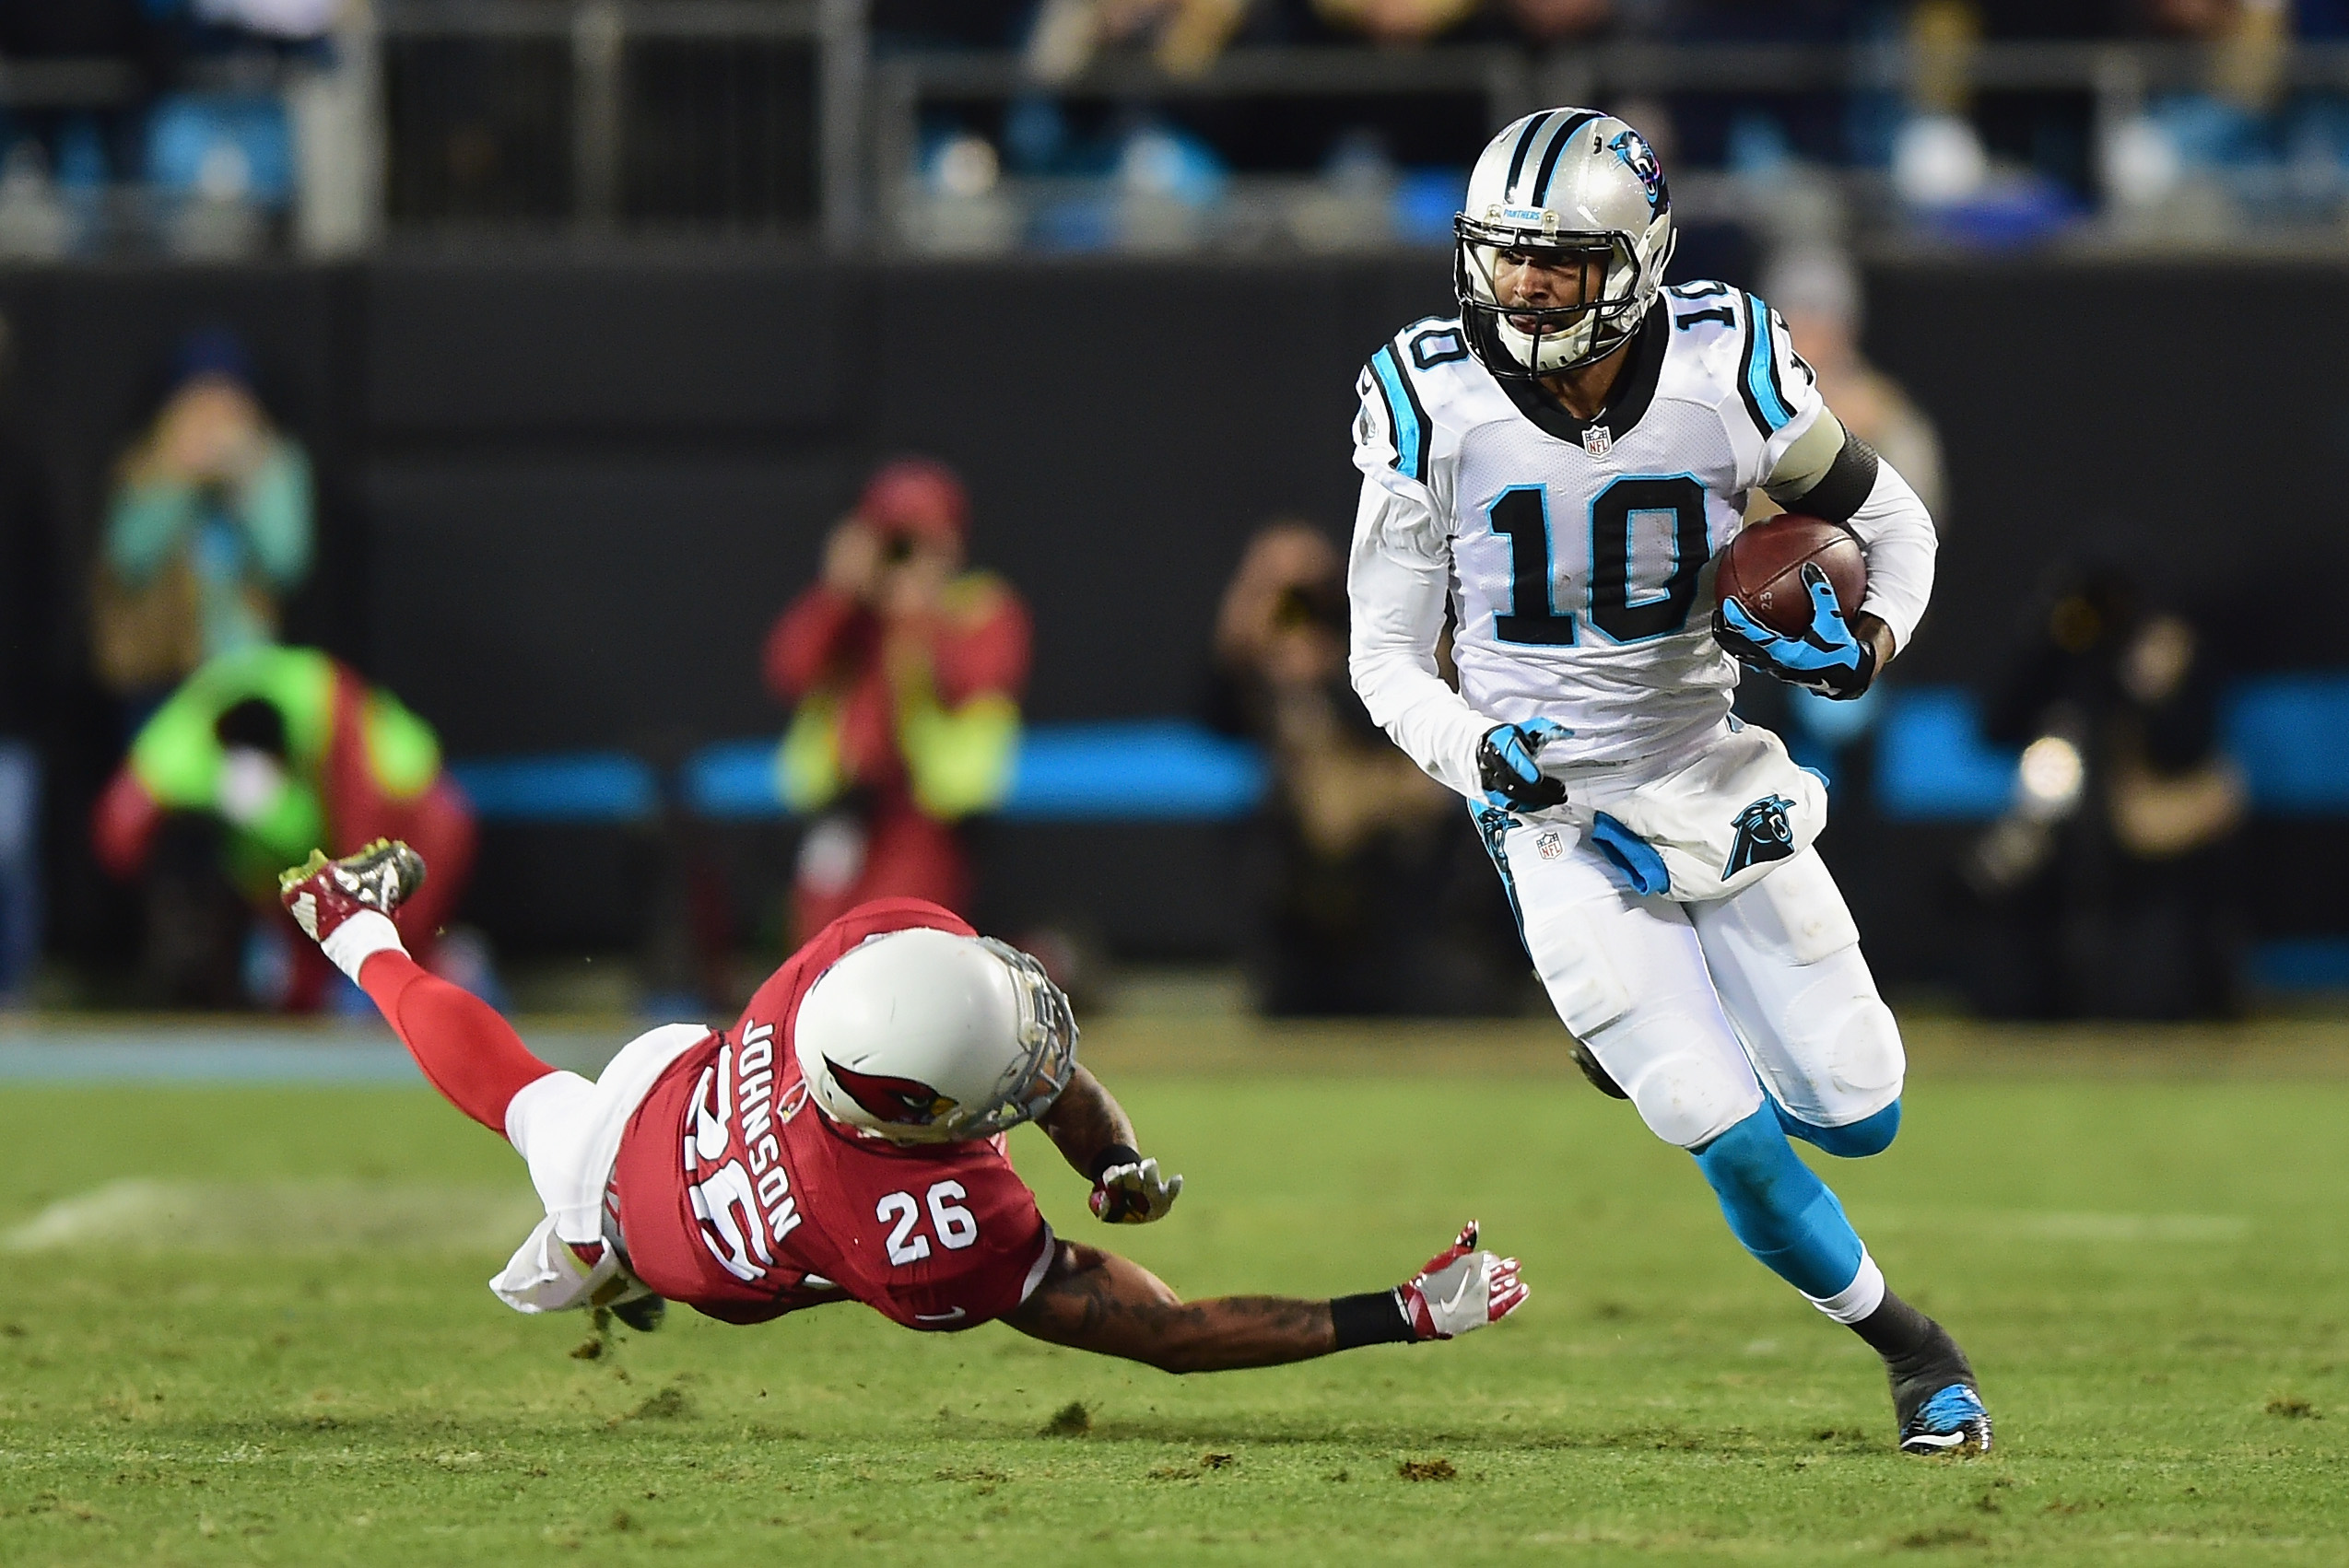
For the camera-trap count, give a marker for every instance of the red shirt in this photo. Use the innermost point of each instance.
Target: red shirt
(977, 642)
(741, 1198)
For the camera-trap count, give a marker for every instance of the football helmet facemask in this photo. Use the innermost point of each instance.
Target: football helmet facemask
(924, 1037)
(1561, 188)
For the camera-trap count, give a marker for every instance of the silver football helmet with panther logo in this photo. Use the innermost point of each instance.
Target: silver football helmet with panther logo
(1557, 185)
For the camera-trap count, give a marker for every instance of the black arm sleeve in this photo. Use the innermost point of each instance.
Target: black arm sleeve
(1844, 488)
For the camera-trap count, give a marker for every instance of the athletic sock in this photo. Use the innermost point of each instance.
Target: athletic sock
(1920, 1357)
(470, 1054)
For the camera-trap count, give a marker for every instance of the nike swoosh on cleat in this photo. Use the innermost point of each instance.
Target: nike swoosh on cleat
(939, 1317)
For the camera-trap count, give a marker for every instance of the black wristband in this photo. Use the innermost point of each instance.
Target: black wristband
(1374, 1318)
(1114, 1155)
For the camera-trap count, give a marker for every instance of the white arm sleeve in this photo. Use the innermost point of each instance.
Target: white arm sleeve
(1896, 535)
(1397, 578)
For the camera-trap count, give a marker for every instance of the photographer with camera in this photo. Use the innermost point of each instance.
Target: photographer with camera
(904, 671)
(1356, 856)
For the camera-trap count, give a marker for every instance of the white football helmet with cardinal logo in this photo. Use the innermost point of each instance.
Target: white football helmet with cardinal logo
(924, 1037)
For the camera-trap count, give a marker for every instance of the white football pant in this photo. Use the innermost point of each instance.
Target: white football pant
(1696, 1009)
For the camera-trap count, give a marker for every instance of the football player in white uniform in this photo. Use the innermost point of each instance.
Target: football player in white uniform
(1556, 465)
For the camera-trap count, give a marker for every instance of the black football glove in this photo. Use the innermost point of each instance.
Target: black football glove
(1513, 781)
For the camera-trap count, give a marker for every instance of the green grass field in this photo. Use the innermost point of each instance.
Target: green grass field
(2142, 1249)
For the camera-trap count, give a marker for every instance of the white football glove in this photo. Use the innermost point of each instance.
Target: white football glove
(1134, 1194)
(1461, 1289)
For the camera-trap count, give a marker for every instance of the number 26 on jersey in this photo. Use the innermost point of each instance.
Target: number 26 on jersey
(955, 1227)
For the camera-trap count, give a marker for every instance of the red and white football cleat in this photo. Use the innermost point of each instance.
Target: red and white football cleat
(322, 895)
(1461, 1289)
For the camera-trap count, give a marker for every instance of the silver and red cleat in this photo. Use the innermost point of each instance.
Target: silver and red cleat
(322, 893)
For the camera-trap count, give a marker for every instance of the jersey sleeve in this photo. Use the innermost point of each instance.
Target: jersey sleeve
(1775, 401)
(1400, 447)
(1398, 573)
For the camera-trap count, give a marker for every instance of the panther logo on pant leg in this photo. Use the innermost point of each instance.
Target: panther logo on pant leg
(1763, 833)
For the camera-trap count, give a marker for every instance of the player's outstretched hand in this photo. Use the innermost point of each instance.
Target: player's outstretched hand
(1507, 768)
(1828, 658)
(1461, 1289)
(1134, 1194)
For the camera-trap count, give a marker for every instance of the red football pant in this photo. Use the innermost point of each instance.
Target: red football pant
(471, 1054)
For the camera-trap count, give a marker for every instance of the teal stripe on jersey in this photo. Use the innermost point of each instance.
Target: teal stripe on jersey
(1410, 424)
(1762, 392)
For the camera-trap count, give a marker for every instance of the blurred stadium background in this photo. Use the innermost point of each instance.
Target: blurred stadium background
(592, 318)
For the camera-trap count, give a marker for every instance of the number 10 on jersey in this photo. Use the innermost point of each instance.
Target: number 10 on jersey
(1671, 510)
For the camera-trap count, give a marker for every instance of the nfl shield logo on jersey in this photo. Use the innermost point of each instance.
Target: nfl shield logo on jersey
(1598, 440)
(1763, 833)
(1550, 845)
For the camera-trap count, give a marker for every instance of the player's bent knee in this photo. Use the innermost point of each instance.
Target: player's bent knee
(1855, 1140)
(1688, 1099)
(1869, 1061)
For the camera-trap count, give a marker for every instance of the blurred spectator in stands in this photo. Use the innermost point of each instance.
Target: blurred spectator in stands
(1183, 36)
(210, 526)
(1744, 129)
(2108, 889)
(91, 145)
(1362, 909)
(1818, 291)
(27, 670)
(1396, 23)
(264, 755)
(903, 25)
(1543, 24)
(905, 673)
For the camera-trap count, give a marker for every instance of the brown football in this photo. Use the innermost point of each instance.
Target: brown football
(1762, 569)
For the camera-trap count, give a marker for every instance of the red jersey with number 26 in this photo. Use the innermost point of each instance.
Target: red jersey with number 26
(739, 1197)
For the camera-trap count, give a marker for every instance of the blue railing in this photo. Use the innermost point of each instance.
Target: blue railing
(2289, 733)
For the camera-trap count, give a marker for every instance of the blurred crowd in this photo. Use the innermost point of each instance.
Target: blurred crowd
(217, 128)
(1063, 34)
(2235, 141)
(151, 121)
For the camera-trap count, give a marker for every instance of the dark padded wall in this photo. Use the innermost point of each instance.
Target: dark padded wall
(563, 499)
(1125, 428)
(589, 600)
(2188, 421)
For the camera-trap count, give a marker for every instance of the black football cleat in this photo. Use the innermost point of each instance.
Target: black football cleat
(1952, 1422)
(1935, 1400)
(641, 1312)
(1600, 1078)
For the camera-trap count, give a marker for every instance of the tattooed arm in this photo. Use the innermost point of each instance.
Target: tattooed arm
(1095, 1135)
(1097, 1301)
(1086, 1122)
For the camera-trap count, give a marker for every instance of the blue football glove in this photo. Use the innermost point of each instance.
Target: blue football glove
(1513, 781)
(1827, 658)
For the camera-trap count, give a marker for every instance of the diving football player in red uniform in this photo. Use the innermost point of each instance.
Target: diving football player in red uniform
(845, 1140)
